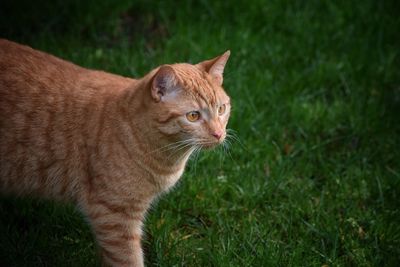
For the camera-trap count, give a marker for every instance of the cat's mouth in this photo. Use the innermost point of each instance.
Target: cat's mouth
(210, 145)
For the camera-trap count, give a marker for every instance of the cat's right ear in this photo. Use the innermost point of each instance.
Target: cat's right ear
(164, 83)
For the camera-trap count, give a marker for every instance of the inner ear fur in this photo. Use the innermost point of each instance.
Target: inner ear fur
(164, 82)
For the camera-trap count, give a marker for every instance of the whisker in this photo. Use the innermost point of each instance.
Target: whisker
(172, 146)
(166, 147)
(233, 135)
(180, 148)
(221, 152)
(226, 145)
(195, 156)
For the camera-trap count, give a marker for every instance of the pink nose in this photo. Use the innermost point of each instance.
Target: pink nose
(217, 135)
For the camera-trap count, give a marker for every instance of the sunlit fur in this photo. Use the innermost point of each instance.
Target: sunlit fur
(107, 143)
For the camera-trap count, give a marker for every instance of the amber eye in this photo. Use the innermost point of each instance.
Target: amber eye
(221, 109)
(193, 116)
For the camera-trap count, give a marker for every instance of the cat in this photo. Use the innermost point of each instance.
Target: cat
(107, 143)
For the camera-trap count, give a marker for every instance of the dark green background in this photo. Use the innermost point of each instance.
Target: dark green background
(315, 87)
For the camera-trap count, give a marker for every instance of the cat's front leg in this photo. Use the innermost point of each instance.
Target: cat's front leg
(118, 233)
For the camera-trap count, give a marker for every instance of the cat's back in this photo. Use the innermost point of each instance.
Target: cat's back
(22, 65)
(34, 83)
(31, 71)
(29, 77)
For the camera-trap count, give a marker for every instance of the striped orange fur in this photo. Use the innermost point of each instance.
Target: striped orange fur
(107, 143)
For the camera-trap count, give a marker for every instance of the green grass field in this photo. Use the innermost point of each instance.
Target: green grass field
(315, 85)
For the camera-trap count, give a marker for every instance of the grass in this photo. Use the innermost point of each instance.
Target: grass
(315, 87)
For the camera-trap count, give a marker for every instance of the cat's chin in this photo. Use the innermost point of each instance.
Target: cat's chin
(209, 146)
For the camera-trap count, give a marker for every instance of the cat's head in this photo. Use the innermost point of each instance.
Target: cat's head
(190, 104)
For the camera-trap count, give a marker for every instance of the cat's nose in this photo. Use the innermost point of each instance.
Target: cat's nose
(217, 134)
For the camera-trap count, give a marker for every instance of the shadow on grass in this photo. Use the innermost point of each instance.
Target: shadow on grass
(41, 233)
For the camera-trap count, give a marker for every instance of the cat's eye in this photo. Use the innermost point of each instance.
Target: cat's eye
(221, 109)
(193, 116)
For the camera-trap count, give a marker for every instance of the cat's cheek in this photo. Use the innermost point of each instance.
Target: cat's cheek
(187, 127)
(169, 129)
(224, 120)
(225, 123)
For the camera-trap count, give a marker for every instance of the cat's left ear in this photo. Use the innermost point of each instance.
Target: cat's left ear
(215, 67)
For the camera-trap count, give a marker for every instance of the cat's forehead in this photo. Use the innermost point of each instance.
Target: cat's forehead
(199, 84)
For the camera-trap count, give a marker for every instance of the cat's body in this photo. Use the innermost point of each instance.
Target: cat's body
(109, 144)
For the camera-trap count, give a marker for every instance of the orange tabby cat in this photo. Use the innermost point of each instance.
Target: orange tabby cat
(109, 144)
